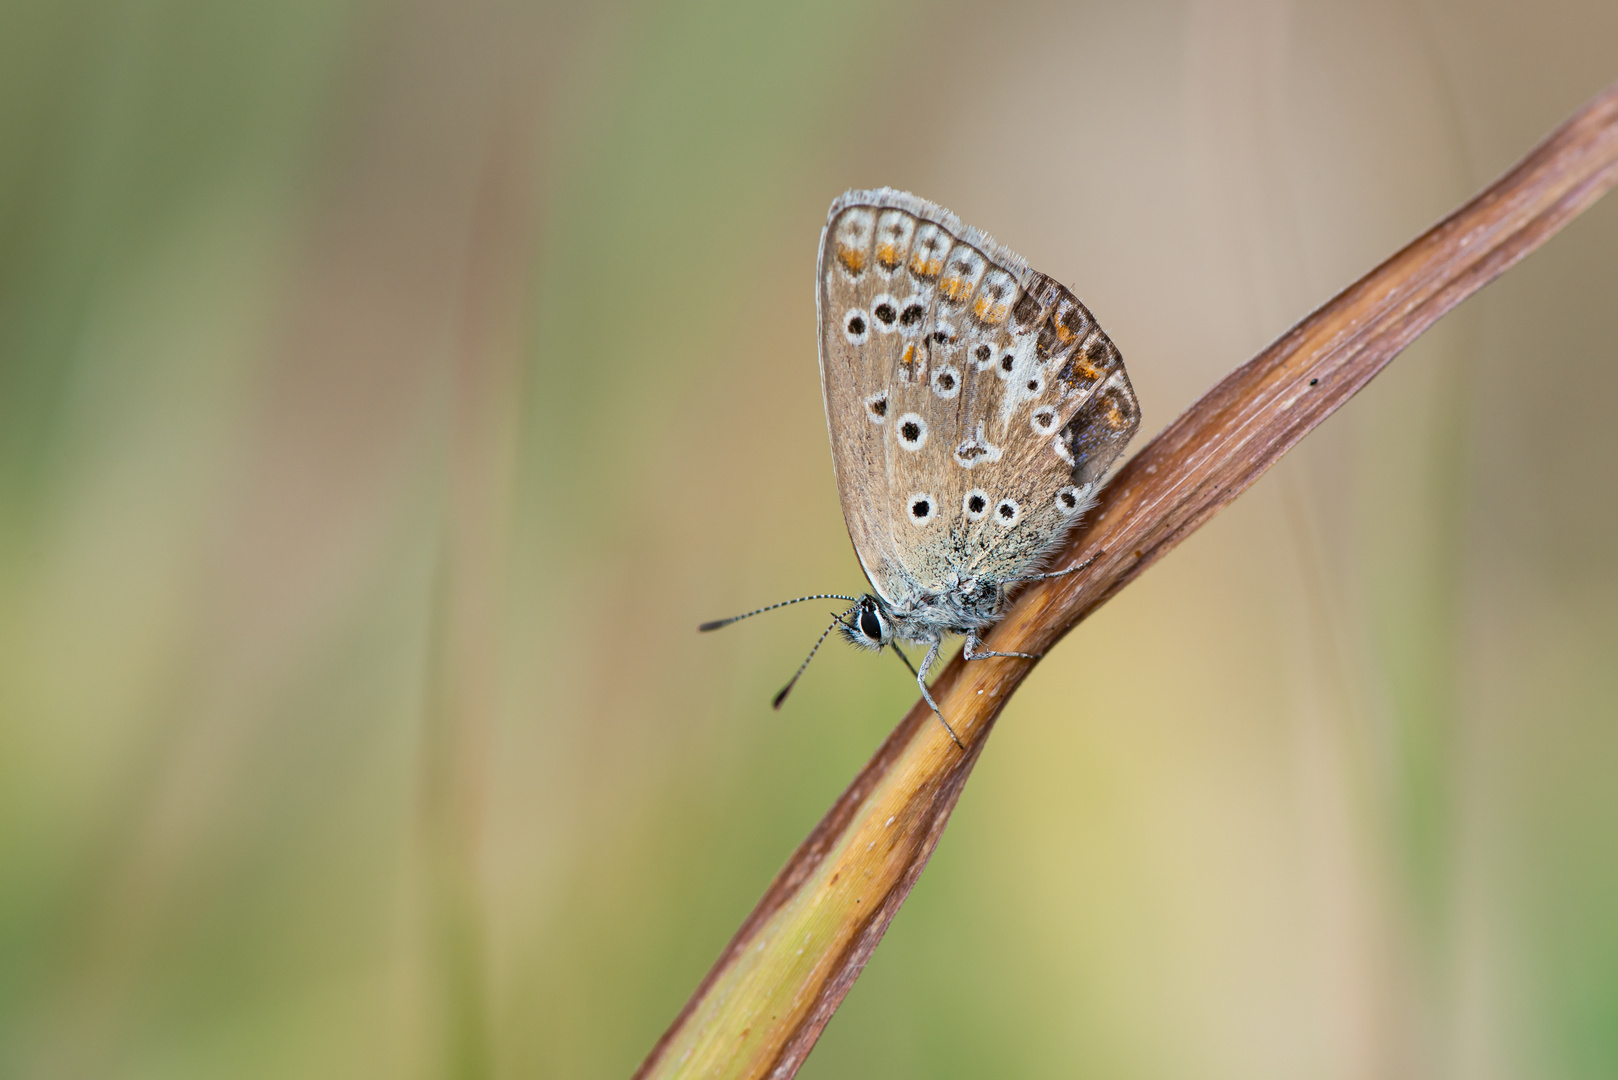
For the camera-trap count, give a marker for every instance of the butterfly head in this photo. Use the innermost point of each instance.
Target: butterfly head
(866, 624)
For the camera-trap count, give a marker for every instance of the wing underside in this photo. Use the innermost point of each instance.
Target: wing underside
(973, 404)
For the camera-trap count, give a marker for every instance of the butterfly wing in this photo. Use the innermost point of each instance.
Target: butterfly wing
(974, 405)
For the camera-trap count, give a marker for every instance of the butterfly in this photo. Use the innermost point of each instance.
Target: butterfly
(974, 407)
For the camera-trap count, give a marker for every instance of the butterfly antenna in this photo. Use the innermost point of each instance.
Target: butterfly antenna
(787, 689)
(717, 623)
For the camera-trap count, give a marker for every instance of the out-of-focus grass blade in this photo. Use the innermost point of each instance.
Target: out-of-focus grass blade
(761, 1008)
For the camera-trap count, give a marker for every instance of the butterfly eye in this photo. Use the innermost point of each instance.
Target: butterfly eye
(870, 625)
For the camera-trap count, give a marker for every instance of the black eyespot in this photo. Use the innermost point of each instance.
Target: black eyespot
(856, 326)
(940, 337)
(1033, 384)
(879, 407)
(1006, 362)
(976, 504)
(911, 315)
(1069, 500)
(885, 313)
(920, 508)
(1007, 511)
(947, 381)
(983, 352)
(910, 432)
(870, 625)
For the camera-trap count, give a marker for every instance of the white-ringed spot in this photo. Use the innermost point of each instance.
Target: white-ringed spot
(946, 382)
(911, 431)
(1063, 450)
(885, 309)
(922, 508)
(1044, 420)
(876, 407)
(983, 356)
(912, 313)
(1008, 513)
(976, 451)
(1069, 501)
(975, 505)
(857, 327)
(1034, 384)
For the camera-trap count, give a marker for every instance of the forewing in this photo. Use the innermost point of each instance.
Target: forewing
(855, 366)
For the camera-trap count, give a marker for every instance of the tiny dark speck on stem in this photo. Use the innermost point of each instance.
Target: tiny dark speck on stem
(1314, 382)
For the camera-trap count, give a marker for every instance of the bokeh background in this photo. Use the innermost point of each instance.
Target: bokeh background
(387, 389)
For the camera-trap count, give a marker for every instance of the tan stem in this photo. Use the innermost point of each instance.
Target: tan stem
(762, 1006)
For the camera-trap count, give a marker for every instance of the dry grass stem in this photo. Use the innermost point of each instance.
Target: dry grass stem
(762, 1006)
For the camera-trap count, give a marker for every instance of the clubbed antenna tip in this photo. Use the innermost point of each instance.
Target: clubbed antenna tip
(787, 689)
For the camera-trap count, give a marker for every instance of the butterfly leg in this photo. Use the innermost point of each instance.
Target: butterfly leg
(969, 650)
(1085, 565)
(921, 681)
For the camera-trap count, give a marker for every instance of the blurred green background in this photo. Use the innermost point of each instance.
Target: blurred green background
(388, 389)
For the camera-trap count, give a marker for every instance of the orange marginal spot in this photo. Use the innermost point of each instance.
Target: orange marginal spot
(1063, 334)
(1114, 417)
(990, 311)
(924, 266)
(909, 357)
(888, 255)
(851, 257)
(952, 287)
